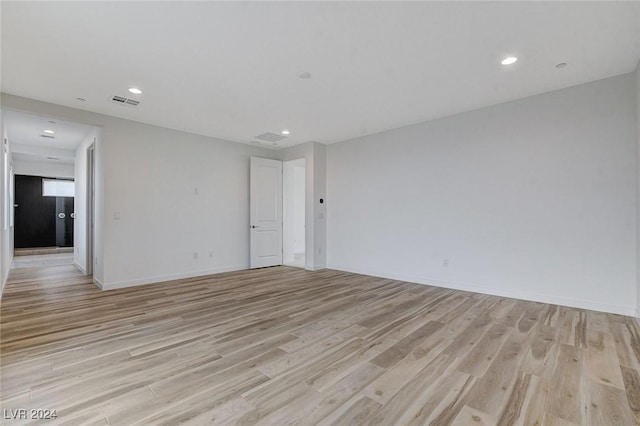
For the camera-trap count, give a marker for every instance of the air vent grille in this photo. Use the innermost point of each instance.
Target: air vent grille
(125, 101)
(47, 136)
(270, 137)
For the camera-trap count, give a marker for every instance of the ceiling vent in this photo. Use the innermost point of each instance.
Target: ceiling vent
(270, 137)
(47, 136)
(125, 101)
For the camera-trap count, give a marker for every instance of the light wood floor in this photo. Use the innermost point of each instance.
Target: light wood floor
(285, 346)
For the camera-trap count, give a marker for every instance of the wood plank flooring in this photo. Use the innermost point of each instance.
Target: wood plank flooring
(285, 346)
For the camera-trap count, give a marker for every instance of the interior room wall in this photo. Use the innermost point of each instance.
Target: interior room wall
(170, 204)
(294, 195)
(637, 92)
(33, 168)
(533, 199)
(298, 208)
(80, 202)
(315, 182)
(6, 205)
(320, 207)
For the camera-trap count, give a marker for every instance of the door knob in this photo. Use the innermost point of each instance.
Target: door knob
(73, 215)
(61, 215)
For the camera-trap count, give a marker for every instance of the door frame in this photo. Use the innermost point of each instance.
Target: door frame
(91, 202)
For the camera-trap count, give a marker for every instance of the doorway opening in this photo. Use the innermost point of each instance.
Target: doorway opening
(293, 213)
(51, 200)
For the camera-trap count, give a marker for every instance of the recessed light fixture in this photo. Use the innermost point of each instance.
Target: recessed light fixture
(49, 131)
(509, 60)
(561, 65)
(285, 132)
(135, 90)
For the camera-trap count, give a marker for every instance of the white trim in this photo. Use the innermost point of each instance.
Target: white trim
(98, 283)
(523, 295)
(79, 268)
(5, 278)
(163, 278)
(316, 268)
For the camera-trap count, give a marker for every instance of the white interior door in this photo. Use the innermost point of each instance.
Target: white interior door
(265, 191)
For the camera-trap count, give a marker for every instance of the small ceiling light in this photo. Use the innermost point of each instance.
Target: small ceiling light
(135, 90)
(561, 65)
(49, 131)
(285, 132)
(509, 60)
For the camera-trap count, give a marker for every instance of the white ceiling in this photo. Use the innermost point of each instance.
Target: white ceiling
(27, 144)
(230, 69)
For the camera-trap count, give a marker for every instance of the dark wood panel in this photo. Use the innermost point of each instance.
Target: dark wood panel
(35, 215)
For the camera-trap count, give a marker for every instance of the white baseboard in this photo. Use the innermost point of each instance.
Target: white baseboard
(316, 267)
(3, 280)
(98, 283)
(172, 277)
(513, 294)
(79, 268)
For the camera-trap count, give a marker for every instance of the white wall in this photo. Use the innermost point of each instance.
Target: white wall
(152, 175)
(637, 91)
(533, 199)
(33, 168)
(148, 175)
(81, 200)
(294, 217)
(299, 196)
(315, 182)
(6, 205)
(320, 209)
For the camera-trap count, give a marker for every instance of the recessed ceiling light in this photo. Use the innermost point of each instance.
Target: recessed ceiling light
(561, 65)
(49, 131)
(135, 90)
(305, 75)
(509, 60)
(285, 132)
